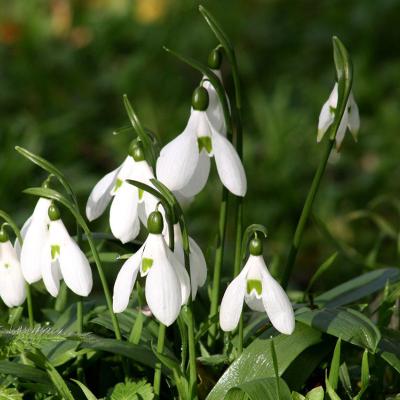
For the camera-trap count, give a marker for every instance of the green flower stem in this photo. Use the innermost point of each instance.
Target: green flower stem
(306, 213)
(219, 256)
(79, 315)
(192, 353)
(160, 349)
(17, 233)
(240, 335)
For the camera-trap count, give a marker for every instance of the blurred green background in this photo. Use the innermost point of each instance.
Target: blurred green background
(64, 66)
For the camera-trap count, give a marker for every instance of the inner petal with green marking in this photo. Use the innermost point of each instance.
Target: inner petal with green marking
(118, 184)
(204, 142)
(147, 263)
(55, 251)
(254, 284)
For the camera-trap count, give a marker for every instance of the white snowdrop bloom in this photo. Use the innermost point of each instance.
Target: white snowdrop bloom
(63, 259)
(198, 265)
(350, 119)
(129, 204)
(35, 233)
(260, 291)
(12, 283)
(167, 285)
(184, 163)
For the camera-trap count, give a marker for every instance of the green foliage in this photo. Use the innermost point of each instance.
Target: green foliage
(140, 390)
(10, 394)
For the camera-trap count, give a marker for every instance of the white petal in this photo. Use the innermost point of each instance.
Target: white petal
(51, 272)
(198, 267)
(215, 111)
(74, 265)
(326, 118)
(12, 283)
(24, 229)
(36, 236)
(101, 195)
(354, 117)
(341, 130)
(163, 289)
(178, 159)
(229, 165)
(277, 304)
(125, 281)
(182, 275)
(199, 178)
(232, 303)
(124, 219)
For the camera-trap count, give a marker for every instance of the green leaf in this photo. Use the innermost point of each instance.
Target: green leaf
(329, 390)
(276, 368)
(364, 375)
(347, 324)
(144, 137)
(89, 395)
(315, 394)
(358, 288)
(323, 268)
(140, 354)
(335, 365)
(140, 390)
(297, 396)
(41, 361)
(10, 394)
(24, 372)
(256, 360)
(260, 389)
(345, 379)
(389, 348)
(50, 168)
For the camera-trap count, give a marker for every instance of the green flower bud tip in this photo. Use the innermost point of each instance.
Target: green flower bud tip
(215, 59)
(136, 150)
(155, 223)
(54, 213)
(200, 99)
(3, 236)
(256, 247)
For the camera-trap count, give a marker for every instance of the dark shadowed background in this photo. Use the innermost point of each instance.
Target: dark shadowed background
(64, 66)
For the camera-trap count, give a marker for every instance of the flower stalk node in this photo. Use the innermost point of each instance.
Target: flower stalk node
(155, 223)
(215, 58)
(256, 247)
(54, 213)
(136, 151)
(200, 99)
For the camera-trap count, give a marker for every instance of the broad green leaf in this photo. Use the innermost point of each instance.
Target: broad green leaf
(140, 354)
(297, 396)
(24, 372)
(89, 395)
(315, 394)
(10, 394)
(335, 365)
(41, 361)
(359, 287)
(347, 324)
(132, 391)
(256, 360)
(259, 389)
(389, 348)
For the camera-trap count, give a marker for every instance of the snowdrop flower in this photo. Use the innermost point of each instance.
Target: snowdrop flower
(184, 163)
(129, 204)
(167, 285)
(12, 283)
(63, 259)
(35, 233)
(260, 291)
(350, 119)
(198, 265)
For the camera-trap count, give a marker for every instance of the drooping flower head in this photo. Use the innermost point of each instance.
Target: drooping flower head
(49, 253)
(167, 285)
(12, 283)
(184, 163)
(350, 119)
(260, 291)
(129, 204)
